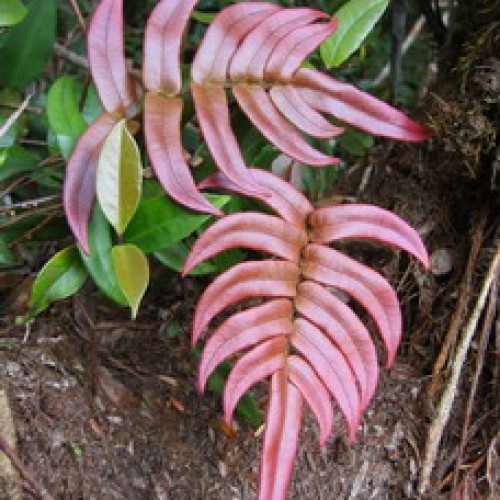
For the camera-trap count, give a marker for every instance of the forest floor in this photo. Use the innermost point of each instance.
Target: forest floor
(103, 407)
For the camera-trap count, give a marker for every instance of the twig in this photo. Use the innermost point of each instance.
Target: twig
(408, 42)
(444, 408)
(399, 16)
(14, 116)
(24, 205)
(30, 109)
(460, 311)
(81, 61)
(434, 20)
(24, 471)
(38, 211)
(78, 14)
(70, 56)
(483, 344)
(10, 479)
(16, 183)
(38, 227)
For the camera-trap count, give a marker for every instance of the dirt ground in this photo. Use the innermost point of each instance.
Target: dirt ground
(104, 408)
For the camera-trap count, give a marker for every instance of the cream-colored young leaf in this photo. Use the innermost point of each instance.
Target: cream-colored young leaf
(119, 177)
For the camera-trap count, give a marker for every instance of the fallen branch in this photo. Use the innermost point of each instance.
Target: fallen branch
(457, 319)
(483, 344)
(10, 481)
(445, 405)
(24, 471)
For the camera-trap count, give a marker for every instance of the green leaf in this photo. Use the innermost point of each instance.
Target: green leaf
(355, 141)
(203, 17)
(356, 20)
(160, 222)
(175, 256)
(28, 45)
(132, 272)
(64, 114)
(7, 257)
(119, 177)
(11, 12)
(247, 406)
(98, 263)
(92, 108)
(16, 161)
(61, 277)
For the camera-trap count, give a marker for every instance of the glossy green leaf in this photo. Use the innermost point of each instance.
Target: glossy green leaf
(11, 12)
(7, 257)
(92, 107)
(64, 114)
(98, 262)
(356, 142)
(119, 177)
(16, 161)
(61, 277)
(28, 45)
(175, 256)
(160, 222)
(356, 20)
(247, 406)
(132, 272)
(203, 17)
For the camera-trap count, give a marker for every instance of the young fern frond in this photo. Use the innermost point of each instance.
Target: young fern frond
(307, 340)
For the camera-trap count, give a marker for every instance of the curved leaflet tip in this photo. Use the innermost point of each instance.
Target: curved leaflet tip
(107, 59)
(254, 231)
(254, 366)
(79, 184)
(347, 103)
(213, 115)
(345, 330)
(162, 128)
(259, 108)
(332, 368)
(370, 222)
(223, 38)
(243, 330)
(333, 268)
(284, 199)
(266, 278)
(250, 60)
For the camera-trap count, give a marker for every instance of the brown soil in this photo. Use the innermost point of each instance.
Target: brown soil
(106, 408)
